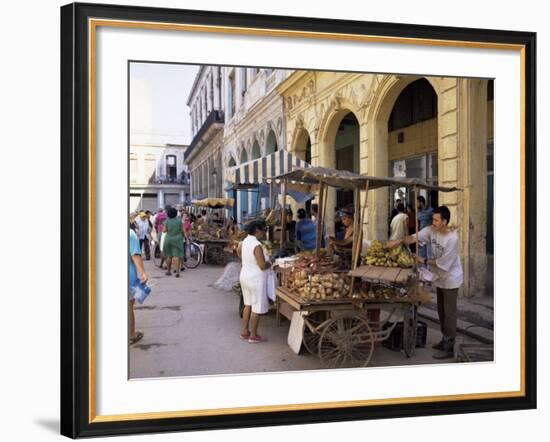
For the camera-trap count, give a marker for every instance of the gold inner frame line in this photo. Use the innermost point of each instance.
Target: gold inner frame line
(93, 24)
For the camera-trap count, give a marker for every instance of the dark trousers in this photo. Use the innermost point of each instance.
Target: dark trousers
(144, 244)
(447, 309)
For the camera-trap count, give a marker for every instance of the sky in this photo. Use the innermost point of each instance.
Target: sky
(170, 86)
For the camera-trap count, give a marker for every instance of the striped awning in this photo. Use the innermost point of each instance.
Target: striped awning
(263, 169)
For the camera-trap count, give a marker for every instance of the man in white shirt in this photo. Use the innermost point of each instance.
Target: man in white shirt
(445, 263)
(399, 226)
(144, 229)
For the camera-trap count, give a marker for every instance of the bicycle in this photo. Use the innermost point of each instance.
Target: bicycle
(191, 259)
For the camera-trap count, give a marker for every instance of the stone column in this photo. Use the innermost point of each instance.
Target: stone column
(160, 198)
(376, 135)
(364, 170)
(327, 158)
(208, 101)
(472, 174)
(208, 178)
(217, 88)
(182, 197)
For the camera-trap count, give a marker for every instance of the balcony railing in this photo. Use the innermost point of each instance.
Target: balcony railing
(163, 179)
(215, 117)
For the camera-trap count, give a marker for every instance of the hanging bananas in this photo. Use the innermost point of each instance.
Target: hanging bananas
(377, 255)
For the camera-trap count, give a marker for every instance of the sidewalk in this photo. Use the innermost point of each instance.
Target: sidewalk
(475, 317)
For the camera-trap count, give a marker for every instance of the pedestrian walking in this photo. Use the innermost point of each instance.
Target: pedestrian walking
(143, 233)
(136, 275)
(173, 242)
(253, 279)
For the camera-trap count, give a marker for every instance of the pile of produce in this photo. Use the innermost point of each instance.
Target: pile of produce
(319, 286)
(325, 263)
(377, 255)
(238, 236)
(272, 217)
(379, 292)
(268, 247)
(207, 232)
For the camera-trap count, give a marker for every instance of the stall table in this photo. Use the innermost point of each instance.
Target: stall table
(339, 330)
(215, 251)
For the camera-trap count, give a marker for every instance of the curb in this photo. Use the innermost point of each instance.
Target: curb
(482, 334)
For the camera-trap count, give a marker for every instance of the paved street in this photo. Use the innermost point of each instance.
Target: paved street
(192, 328)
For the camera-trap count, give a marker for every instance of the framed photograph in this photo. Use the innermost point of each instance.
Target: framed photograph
(369, 162)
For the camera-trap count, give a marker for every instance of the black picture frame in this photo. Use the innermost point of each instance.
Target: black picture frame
(76, 247)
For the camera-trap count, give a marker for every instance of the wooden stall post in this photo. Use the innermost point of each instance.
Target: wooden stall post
(363, 215)
(415, 192)
(357, 211)
(357, 231)
(416, 233)
(283, 217)
(320, 221)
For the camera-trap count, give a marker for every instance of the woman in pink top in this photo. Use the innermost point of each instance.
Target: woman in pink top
(187, 226)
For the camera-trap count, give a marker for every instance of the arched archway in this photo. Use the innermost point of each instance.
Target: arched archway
(254, 199)
(399, 132)
(302, 149)
(339, 149)
(346, 153)
(244, 156)
(256, 151)
(413, 142)
(302, 145)
(271, 143)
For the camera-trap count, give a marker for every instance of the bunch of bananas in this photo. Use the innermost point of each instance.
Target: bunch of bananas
(377, 255)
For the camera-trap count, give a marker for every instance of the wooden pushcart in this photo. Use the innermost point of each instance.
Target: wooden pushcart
(342, 332)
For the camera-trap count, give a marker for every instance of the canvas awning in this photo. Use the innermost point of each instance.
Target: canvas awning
(264, 169)
(350, 180)
(214, 203)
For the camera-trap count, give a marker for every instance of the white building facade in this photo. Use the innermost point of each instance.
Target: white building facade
(158, 174)
(203, 157)
(236, 116)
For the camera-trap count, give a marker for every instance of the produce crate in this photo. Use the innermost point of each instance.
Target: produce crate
(395, 340)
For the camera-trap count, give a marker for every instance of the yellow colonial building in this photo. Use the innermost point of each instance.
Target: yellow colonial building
(435, 128)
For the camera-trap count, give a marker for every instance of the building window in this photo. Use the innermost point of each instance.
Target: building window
(423, 167)
(417, 102)
(171, 168)
(133, 168)
(232, 93)
(211, 92)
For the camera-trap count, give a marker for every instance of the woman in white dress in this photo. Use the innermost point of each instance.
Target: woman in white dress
(253, 281)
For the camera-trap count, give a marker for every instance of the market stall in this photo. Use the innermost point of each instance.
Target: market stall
(340, 307)
(259, 176)
(214, 236)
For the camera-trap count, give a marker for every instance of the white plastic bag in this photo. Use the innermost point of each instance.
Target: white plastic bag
(271, 284)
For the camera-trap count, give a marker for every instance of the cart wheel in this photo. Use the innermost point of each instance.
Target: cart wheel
(214, 254)
(311, 338)
(346, 341)
(409, 331)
